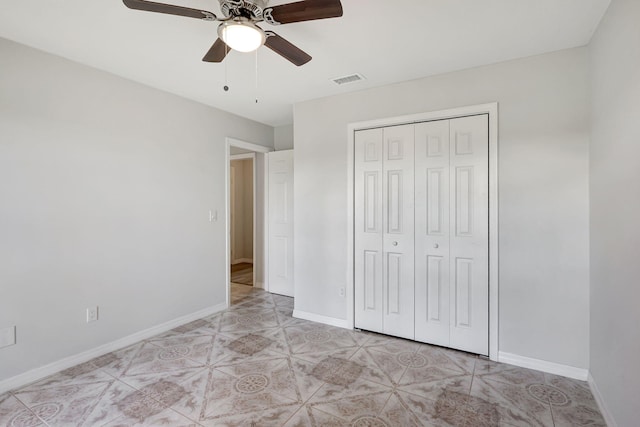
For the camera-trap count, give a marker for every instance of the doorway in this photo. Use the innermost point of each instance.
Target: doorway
(241, 218)
(245, 217)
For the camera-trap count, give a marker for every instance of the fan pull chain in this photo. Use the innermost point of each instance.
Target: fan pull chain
(226, 83)
(256, 76)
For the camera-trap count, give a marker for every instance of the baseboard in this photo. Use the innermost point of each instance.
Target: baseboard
(332, 321)
(242, 260)
(604, 410)
(544, 366)
(259, 285)
(68, 362)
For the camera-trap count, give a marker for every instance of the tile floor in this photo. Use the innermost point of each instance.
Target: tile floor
(255, 365)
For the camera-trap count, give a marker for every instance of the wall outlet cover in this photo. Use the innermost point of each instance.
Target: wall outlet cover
(92, 314)
(7, 336)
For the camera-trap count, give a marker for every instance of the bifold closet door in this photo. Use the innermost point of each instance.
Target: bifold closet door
(398, 231)
(452, 214)
(432, 232)
(368, 229)
(384, 230)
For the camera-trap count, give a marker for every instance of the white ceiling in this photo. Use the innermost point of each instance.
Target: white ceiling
(385, 40)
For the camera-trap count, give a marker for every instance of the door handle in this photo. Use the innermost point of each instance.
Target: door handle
(394, 243)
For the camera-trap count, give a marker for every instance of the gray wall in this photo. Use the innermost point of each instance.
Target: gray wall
(543, 166)
(283, 137)
(615, 209)
(105, 188)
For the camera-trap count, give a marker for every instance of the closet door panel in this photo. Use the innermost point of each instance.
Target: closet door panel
(432, 232)
(469, 249)
(368, 262)
(398, 231)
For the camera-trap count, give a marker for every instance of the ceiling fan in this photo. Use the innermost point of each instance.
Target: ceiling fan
(238, 29)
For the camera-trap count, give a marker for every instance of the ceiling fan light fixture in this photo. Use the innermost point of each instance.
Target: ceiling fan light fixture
(241, 35)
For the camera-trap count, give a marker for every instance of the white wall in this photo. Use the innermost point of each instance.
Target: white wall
(105, 188)
(543, 166)
(615, 209)
(283, 137)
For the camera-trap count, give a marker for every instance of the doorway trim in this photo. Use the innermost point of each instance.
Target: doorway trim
(492, 110)
(255, 148)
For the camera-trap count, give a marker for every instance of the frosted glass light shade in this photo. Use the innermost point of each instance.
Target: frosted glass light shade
(242, 36)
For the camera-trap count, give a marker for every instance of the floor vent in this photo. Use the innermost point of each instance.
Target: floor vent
(348, 79)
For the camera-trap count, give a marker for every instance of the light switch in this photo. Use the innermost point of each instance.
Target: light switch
(7, 336)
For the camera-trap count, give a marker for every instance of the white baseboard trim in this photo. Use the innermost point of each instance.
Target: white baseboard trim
(544, 366)
(241, 260)
(68, 362)
(332, 321)
(608, 418)
(259, 285)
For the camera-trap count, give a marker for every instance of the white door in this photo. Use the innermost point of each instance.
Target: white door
(432, 232)
(398, 231)
(452, 208)
(368, 230)
(384, 252)
(469, 230)
(280, 222)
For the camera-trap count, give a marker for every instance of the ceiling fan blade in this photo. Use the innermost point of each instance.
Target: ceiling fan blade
(286, 49)
(307, 10)
(170, 9)
(217, 52)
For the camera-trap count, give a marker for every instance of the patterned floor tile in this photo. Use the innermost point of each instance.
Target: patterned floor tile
(248, 388)
(115, 363)
(432, 389)
(207, 326)
(359, 387)
(379, 366)
(85, 404)
(516, 403)
(388, 344)
(507, 374)
(248, 319)
(157, 359)
(15, 414)
(235, 347)
(302, 418)
(80, 374)
(572, 403)
(149, 413)
(397, 413)
(255, 365)
(271, 417)
(312, 337)
(358, 410)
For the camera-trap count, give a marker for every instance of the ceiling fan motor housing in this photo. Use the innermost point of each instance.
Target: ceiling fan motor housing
(251, 9)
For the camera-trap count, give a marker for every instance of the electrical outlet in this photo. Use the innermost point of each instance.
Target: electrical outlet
(92, 314)
(7, 336)
(341, 292)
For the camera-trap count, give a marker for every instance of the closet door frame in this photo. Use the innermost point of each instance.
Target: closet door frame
(492, 110)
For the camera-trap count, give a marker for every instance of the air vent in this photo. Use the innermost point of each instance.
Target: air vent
(348, 79)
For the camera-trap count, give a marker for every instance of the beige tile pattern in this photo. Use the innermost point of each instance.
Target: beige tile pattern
(254, 365)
